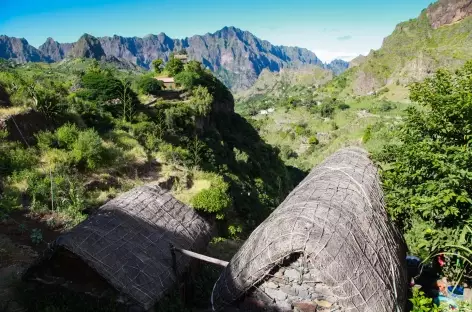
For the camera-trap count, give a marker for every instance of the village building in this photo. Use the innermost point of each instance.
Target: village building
(168, 82)
(182, 57)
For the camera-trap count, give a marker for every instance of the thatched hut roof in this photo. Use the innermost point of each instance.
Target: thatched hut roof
(335, 219)
(127, 242)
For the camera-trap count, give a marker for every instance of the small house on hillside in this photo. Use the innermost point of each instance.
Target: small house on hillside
(168, 82)
(123, 250)
(182, 57)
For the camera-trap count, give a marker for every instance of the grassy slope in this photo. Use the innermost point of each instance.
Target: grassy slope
(346, 127)
(411, 53)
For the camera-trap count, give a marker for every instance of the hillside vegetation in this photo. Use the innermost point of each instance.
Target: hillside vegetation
(414, 51)
(106, 140)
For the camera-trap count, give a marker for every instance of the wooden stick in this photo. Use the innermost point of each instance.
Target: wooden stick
(201, 257)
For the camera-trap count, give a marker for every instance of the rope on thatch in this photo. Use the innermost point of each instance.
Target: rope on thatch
(127, 242)
(335, 218)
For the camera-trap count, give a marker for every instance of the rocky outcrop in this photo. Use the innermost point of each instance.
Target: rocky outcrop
(338, 66)
(19, 50)
(445, 12)
(89, 47)
(357, 61)
(54, 50)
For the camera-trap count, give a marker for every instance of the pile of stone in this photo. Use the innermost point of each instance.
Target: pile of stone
(295, 287)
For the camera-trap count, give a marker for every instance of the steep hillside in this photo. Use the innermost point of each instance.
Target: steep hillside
(439, 37)
(278, 83)
(237, 57)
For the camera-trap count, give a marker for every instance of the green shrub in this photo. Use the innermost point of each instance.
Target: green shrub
(174, 66)
(188, 79)
(301, 129)
(430, 177)
(201, 101)
(101, 87)
(385, 106)
(49, 103)
(176, 154)
(214, 200)
(326, 110)
(66, 136)
(367, 134)
(343, 106)
(149, 85)
(313, 140)
(88, 149)
(421, 303)
(46, 140)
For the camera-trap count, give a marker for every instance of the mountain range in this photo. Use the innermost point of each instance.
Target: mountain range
(237, 57)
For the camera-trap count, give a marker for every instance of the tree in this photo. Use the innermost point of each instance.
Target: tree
(127, 100)
(429, 181)
(201, 100)
(194, 66)
(156, 64)
(188, 79)
(174, 66)
(149, 85)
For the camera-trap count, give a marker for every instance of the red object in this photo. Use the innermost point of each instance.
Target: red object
(441, 260)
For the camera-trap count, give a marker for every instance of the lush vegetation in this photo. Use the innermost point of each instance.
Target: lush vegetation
(428, 176)
(100, 139)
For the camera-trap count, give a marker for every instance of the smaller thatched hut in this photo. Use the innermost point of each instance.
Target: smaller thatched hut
(125, 246)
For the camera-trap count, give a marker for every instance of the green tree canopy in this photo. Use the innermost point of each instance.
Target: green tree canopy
(429, 181)
(157, 64)
(174, 66)
(149, 85)
(202, 100)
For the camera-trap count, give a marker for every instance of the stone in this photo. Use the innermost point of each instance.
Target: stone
(289, 290)
(323, 303)
(303, 293)
(292, 274)
(305, 306)
(279, 273)
(271, 285)
(284, 306)
(307, 277)
(276, 294)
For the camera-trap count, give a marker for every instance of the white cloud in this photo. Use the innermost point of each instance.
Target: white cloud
(328, 55)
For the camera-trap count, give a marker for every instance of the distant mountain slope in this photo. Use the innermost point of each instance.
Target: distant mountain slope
(19, 50)
(440, 37)
(236, 56)
(276, 84)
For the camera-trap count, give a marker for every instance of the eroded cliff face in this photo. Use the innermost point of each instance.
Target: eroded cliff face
(445, 12)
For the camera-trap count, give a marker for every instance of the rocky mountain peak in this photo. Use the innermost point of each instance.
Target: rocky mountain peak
(88, 46)
(445, 12)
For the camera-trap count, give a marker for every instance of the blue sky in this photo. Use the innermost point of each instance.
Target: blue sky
(332, 29)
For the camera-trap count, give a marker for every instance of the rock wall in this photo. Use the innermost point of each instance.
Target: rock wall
(296, 287)
(446, 12)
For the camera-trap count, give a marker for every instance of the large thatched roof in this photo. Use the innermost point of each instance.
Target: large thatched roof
(127, 242)
(336, 220)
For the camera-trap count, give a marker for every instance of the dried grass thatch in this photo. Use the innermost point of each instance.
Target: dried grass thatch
(336, 220)
(127, 242)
